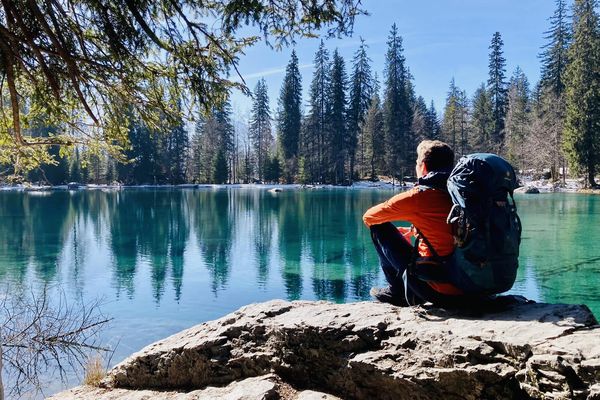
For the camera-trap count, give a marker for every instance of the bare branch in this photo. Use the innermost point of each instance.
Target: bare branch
(40, 336)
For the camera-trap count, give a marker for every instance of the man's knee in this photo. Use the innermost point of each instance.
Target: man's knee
(385, 230)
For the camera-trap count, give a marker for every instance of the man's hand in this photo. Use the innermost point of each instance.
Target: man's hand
(406, 232)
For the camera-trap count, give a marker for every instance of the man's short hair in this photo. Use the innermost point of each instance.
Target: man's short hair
(437, 155)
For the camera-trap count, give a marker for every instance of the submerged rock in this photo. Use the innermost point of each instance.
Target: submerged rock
(368, 350)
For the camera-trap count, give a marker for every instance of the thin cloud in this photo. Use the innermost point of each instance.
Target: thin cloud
(356, 43)
(273, 71)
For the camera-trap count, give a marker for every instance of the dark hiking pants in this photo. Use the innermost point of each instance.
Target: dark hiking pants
(395, 253)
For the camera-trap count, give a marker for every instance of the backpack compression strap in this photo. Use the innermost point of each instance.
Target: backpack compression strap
(429, 269)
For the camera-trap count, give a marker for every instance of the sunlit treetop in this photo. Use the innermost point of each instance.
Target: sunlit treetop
(87, 66)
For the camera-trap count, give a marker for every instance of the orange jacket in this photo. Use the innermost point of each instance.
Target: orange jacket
(427, 210)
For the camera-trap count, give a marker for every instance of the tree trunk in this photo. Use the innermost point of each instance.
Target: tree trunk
(372, 168)
(351, 169)
(1, 386)
(591, 176)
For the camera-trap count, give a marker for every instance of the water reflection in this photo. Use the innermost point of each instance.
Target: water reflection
(561, 247)
(27, 241)
(294, 244)
(215, 228)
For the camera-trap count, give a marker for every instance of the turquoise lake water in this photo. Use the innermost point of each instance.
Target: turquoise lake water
(163, 260)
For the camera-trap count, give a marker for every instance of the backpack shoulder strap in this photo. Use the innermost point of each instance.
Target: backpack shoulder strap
(426, 270)
(427, 242)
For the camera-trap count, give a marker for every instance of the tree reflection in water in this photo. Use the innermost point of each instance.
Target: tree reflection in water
(296, 234)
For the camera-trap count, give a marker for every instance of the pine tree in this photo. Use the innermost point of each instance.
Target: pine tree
(453, 116)
(482, 120)
(396, 107)
(365, 143)
(221, 169)
(302, 176)
(361, 93)
(315, 133)
(307, 159)
(290, 117)
(420, 120)
(373, 144)
(214, 134)
(582, 124)
(273, 169)
(142, 166)
(225, 131)
(110, 174)
(247, 166)
(432, 123)
(536, 94)
(175, 153)
(260, 126)
(456, 124)
(465, 125)
(497, 88)
(517, 117)
(146, 153)
(235, 155)
(196, 159)
(75, 167)
(340, 146)
(554, 56)
(95, 167)
(411, 140)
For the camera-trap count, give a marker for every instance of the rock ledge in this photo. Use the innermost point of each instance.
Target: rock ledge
(318, 350)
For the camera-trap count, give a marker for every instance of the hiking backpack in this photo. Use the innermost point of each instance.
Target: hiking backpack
(486, 227)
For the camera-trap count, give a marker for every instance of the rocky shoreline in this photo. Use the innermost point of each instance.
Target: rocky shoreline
(319, 350)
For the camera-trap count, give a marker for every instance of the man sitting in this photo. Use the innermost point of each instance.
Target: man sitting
(426, 207)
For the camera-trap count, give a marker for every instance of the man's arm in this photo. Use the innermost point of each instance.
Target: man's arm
(401, 207)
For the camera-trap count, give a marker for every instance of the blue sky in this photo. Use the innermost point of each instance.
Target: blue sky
(442, 39)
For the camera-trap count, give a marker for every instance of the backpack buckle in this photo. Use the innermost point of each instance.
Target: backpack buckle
(460, 225)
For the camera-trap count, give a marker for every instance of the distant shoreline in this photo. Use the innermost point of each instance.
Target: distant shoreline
(543, 186)
(267, 186)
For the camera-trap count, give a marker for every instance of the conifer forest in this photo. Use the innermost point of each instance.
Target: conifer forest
(352, 123)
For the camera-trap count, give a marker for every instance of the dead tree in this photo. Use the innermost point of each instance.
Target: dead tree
(44, 333)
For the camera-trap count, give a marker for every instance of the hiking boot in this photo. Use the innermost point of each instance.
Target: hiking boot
(385, 295)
